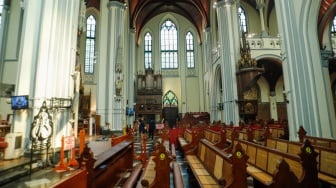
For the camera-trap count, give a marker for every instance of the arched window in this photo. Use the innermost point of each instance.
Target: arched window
(1, 7)
(148, 51)
(190, 50)
(170, 99)
(90, 45)
(242, 19)
(168, 46)
(333, 27)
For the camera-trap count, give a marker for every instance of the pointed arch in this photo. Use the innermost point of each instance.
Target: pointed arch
(170, 99)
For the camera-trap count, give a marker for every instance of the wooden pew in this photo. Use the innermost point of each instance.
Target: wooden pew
(273, 168)
(326, 142)
(76, 179)
(216, 137)
(177, 175)
(165, 141)
(277, 132)
(157, 171)
(326, 160)
(214, 168)
(104, 169)
(189, 141)
(117, 139)
(133, 178)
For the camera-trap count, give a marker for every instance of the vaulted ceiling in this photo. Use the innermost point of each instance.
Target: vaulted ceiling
(198, 11)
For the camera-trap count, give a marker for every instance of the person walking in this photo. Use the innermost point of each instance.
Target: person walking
(142, 127)
(151, 129)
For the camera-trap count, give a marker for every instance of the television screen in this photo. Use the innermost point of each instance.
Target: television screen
(129, 111)
(19, 102)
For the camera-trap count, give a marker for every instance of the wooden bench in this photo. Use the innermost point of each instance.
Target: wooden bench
(169, 147)
(117, 139)
(273, 168)
(104, 169)
(277, 132)
(214, 168)
(189, 141)
(157, 171)
(134, 177)
(326, 142)
(76, 179)
(326, 159)
(177, 175)
(216, 136)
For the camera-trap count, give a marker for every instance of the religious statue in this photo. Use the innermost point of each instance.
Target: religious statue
(119, 83)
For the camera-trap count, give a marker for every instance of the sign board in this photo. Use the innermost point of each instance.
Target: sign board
(69, 142)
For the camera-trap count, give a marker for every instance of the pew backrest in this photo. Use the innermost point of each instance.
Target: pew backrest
(105, 167)
(225, 167)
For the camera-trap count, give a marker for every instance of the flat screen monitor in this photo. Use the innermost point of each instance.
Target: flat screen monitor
(19, 102)
(129, 111)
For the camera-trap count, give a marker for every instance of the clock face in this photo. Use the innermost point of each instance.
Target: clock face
(42, 129)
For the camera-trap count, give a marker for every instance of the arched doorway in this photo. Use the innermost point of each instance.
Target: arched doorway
(170, 108)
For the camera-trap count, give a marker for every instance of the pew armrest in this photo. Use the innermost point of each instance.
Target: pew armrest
(132, 180)
(178, 181)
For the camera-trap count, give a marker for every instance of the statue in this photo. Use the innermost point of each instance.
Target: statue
(119, 83)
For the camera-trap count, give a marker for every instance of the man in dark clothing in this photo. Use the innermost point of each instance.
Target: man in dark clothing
(151, 129)
(142, 127)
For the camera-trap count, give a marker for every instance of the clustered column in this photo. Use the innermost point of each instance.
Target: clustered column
(227, 17)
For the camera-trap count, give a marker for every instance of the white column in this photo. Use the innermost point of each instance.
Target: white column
(109, 102)
(47, 58)
(131, 74)
(229, 52)
(3, 36)
(208, 78)
(306, 88)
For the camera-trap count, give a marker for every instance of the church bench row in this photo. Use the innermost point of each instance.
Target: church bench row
(326, 159)
(157, 170)
(216, 137)
(273, 168)
(165, 140)
(231, 133)
(117, 139)
(189, 141)
(104, 169)
(327, 142)
(214, 168)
